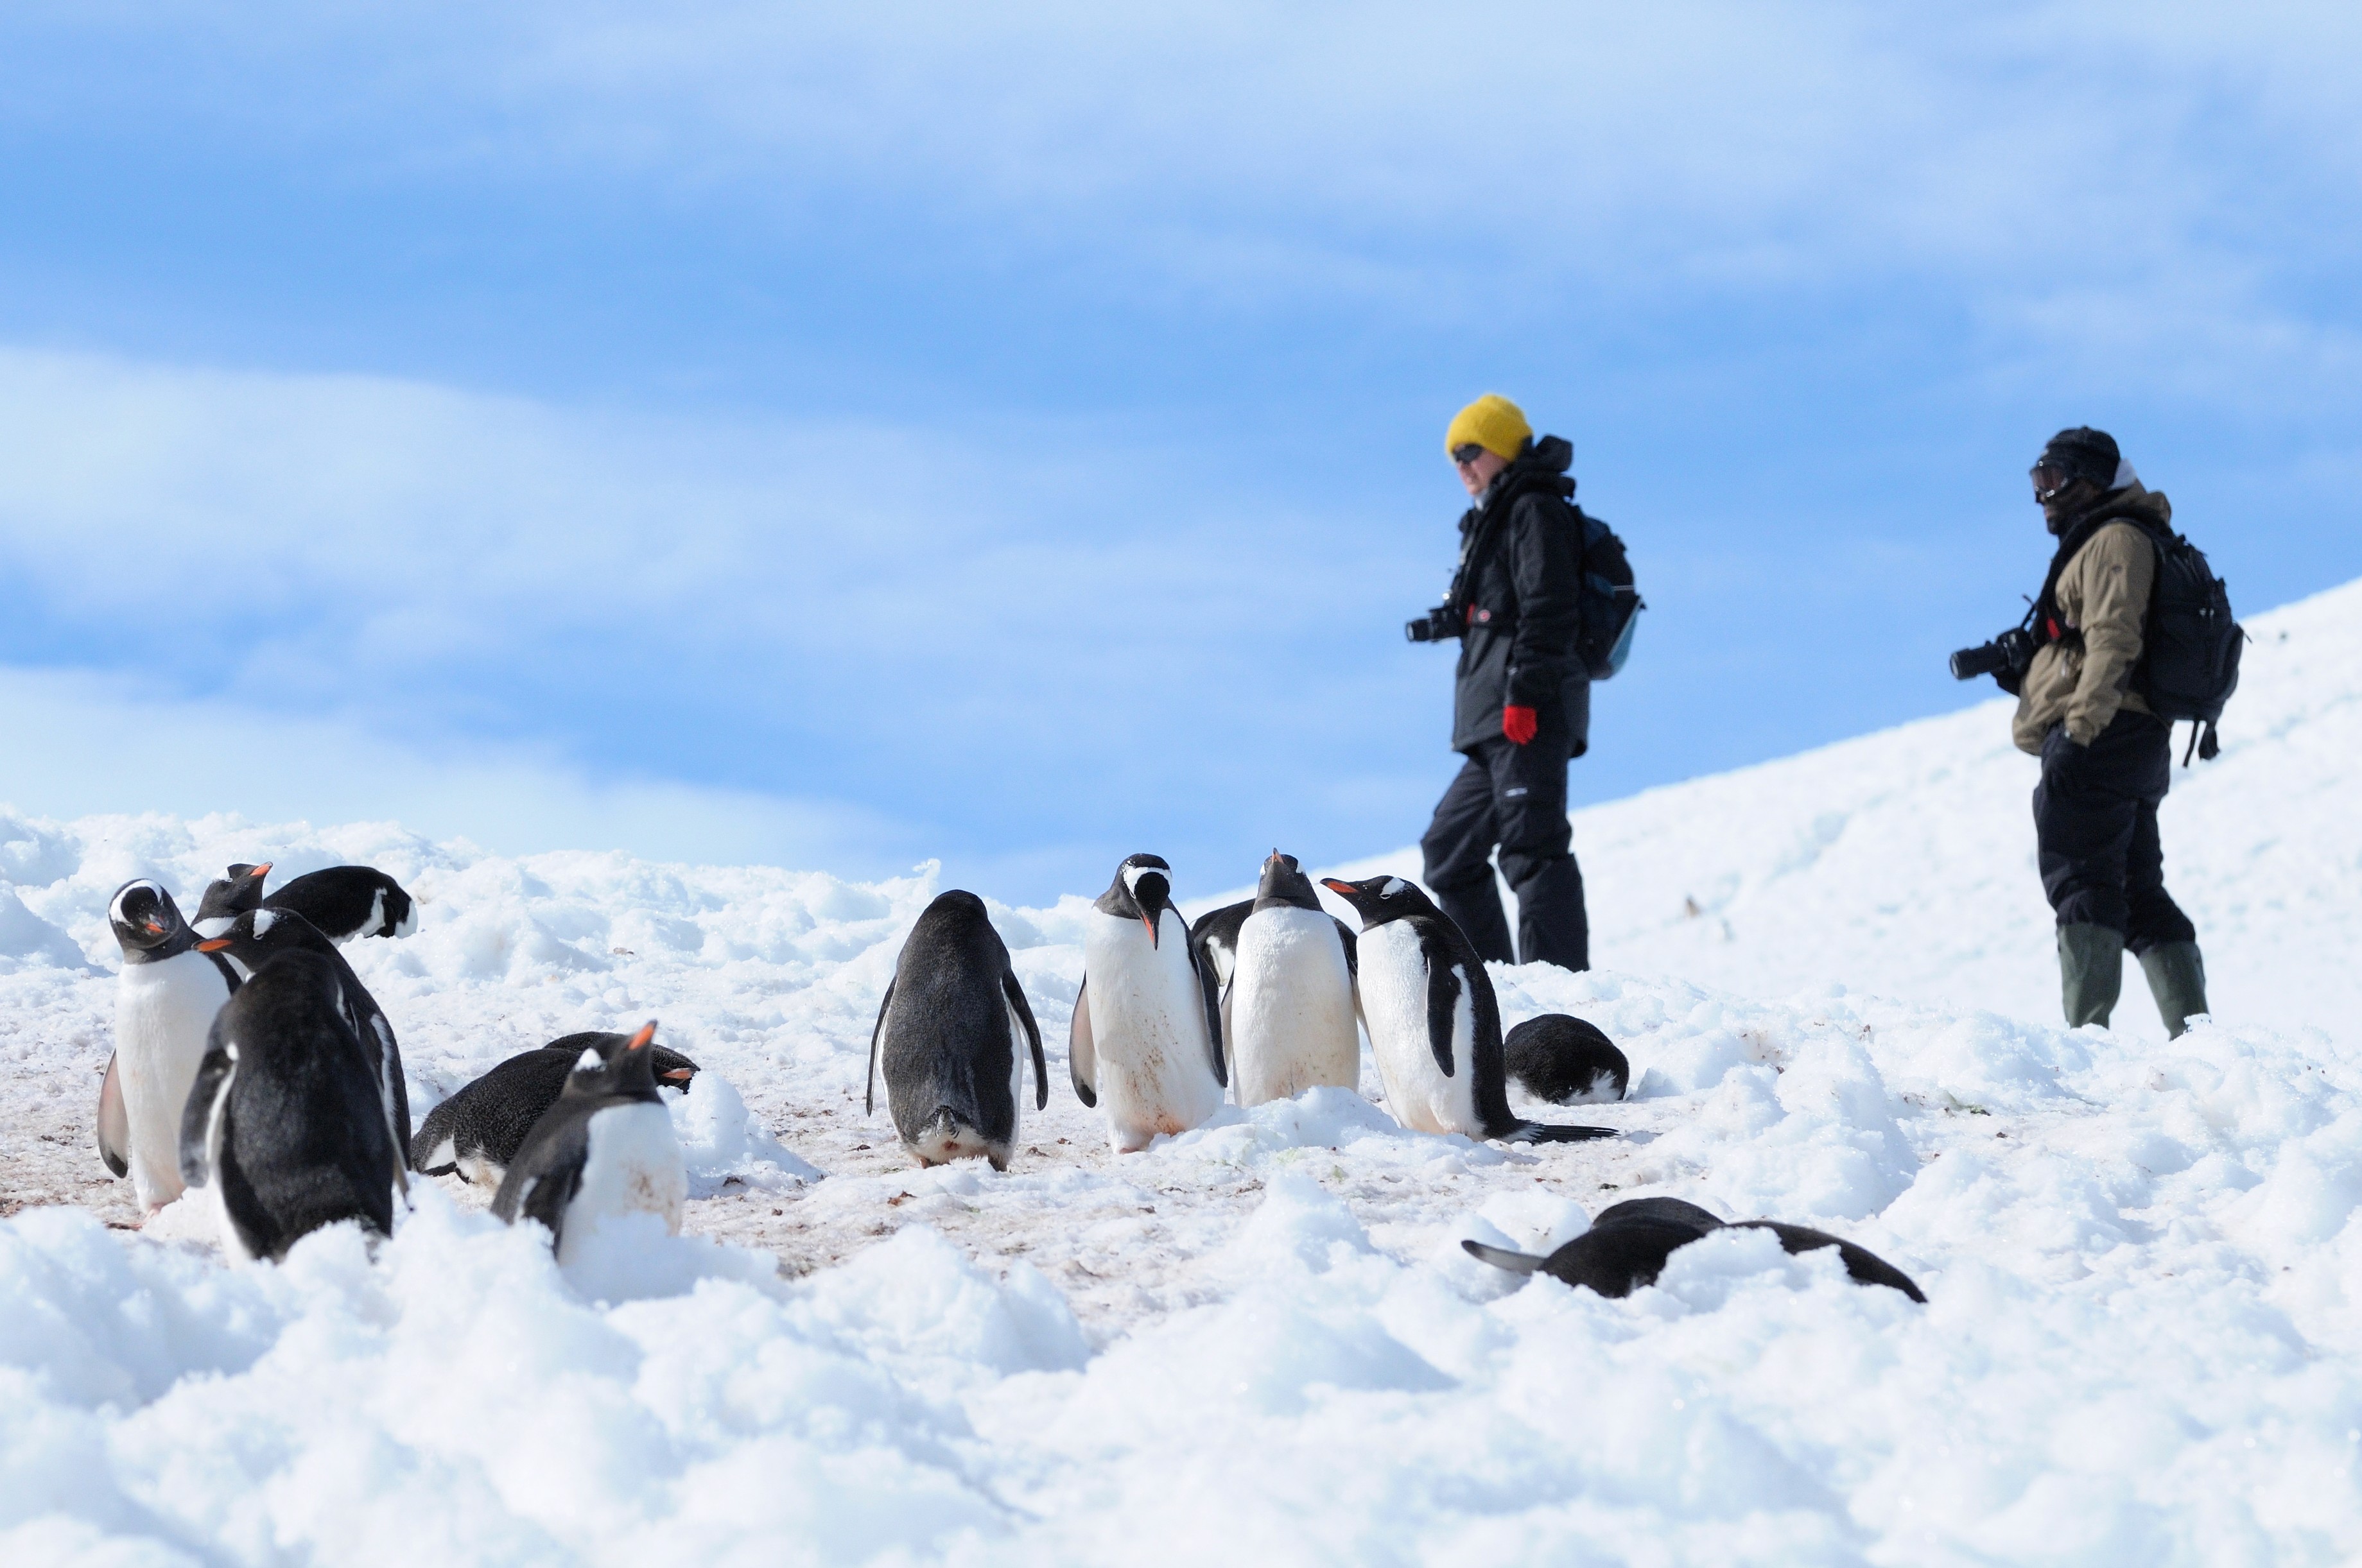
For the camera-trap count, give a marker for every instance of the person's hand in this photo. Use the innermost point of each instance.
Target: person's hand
(1520, 723)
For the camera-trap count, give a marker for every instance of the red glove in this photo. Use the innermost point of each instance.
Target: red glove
(1520, 723)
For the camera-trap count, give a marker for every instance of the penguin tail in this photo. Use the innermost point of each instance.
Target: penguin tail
(1554, 1133)
(1502, 1257)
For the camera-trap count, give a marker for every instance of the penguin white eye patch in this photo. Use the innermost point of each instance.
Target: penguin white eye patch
(590, 1061)
(1395, 884)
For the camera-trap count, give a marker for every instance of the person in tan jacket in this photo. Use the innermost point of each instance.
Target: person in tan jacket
(2106, 758)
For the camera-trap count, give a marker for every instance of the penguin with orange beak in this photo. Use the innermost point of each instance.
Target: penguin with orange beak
(604, 1151)
(165, 1001)
(1146, 1043)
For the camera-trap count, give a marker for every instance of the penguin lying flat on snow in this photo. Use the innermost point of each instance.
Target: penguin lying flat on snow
(347, 902)
(1434, 1023)
(165, 1001)
(260, 935)
(948, 1028)
(605, 1149)
(228, 896)
(479, 1130)
(284, 1125)
(1627, 1247)
(1561, 1058)
(1146, 1031)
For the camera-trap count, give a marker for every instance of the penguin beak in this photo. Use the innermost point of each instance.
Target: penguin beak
(216, 945)
(640, 1041)
(1149, 895)
(258, 872)
(678, 1075)
(153, 928)
(1342, 889)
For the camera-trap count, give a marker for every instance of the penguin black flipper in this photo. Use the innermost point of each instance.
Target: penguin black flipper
(1442, 1000)
(1551, 1132)
(1865, 1266)
(869, 1082)
(198, 1115)
(113, 1123)
(1211, 993)
(548, 1173)
(1082, 1057)
(1024, 1012)
(1502, 1257)
(1353, 941)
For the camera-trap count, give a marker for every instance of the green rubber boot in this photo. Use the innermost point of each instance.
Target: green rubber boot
(2090, 972)
(2177, 977)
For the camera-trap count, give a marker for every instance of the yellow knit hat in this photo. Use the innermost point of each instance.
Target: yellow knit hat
(1492, 422)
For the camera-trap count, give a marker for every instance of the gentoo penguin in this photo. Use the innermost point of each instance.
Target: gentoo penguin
(284, 1125)
(1145, 1044)
(605, 1149)
(479, 1130)
(1559, 1057)
(260, 935)
(164, 1003)
(1288, 1015)
(1435, 1025)
(948, 1028)
(228, 896)
(1627, 1247)
(346, 902)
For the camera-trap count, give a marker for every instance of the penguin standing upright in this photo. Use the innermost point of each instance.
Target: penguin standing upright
(1145, 1041)
(605, 1149)
(284, 1125)
(1288, 1014)
(1434, 1023)
(478, 1131)
(948, 1028)
(226, 897)
(165, 1001)
(260, 935)
(347, 902)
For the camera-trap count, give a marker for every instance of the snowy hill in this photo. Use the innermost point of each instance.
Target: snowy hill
(1260, 1340)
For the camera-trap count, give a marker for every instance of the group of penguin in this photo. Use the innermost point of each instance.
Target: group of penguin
(251, 1062)
(1261, 1000)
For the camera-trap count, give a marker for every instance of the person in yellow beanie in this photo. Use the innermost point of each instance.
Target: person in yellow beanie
(1521, 702)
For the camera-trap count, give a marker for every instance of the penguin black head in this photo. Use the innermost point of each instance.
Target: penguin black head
(1143, 891)
(147, 922)
(1283, 884)
(254, 937)
(625, 1066)
(1379, 900)
(237, 890)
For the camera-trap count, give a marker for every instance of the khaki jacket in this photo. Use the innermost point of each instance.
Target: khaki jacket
(2103, 593)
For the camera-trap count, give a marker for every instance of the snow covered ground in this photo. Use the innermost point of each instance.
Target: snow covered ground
(1260, 1341)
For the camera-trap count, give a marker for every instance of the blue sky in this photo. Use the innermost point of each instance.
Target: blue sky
(1011, 435)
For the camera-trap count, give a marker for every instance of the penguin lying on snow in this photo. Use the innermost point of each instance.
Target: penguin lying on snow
(1627, 1247)
(284, 1125)
(1146, 1036)
(1285, 966)
(228, 896)
(347, 902)
(1561, 1058)
(260, 935)
(605, 1149)
(165, 1001)
(479, 1130)
(1434, 1023)
(948, 1027)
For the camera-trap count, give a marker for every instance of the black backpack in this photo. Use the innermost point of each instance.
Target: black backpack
(1611, 605)
(2190, 645)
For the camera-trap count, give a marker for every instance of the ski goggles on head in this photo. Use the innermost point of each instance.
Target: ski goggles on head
(2049, 478)
(1467, 452)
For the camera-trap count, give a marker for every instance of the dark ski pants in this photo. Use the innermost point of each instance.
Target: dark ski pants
(2095, 830)
(1513, 796)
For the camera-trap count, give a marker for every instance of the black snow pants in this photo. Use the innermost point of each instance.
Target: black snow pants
(1513, 796)
(2095, 830)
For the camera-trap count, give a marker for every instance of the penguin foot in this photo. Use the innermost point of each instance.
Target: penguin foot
(1554, 1133)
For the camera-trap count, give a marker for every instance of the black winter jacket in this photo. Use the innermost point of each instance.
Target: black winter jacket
(1515, 596)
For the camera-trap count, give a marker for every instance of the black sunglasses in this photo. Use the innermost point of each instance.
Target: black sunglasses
(1467, 452)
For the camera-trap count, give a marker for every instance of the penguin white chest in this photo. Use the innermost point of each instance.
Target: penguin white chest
(1394, 983)
(1291, 1006)
(1154, 1060)
(632, 1166)
(162, 1013)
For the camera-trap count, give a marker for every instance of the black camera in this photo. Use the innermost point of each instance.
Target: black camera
(1438, 625)
(2005, 658)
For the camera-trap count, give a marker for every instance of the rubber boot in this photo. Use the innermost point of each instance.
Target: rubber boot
(2090, 972)
(2177, 977)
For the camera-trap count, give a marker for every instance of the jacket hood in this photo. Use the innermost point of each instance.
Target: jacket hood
(1542, 468)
